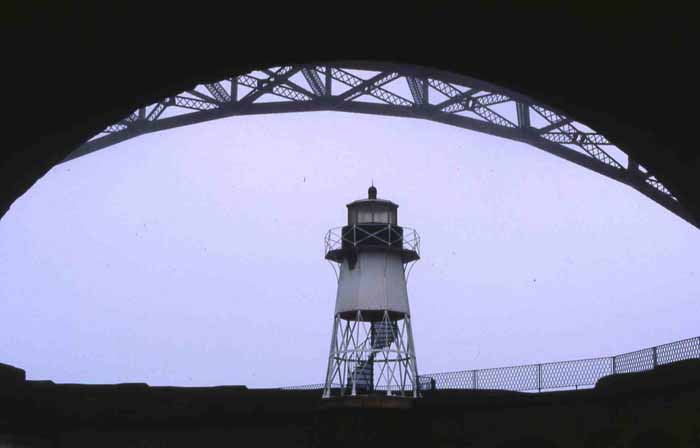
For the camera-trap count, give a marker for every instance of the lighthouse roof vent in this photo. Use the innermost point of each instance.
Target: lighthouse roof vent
(372, 192)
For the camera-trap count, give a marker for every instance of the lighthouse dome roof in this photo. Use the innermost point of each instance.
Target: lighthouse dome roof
(372, 199)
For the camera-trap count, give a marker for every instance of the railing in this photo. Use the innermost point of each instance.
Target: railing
(576, 374)
(358, 235)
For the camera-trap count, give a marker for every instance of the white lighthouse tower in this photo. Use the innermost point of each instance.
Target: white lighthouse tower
(372, 348)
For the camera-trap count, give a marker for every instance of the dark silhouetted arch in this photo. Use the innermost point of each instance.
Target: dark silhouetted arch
(392, 90)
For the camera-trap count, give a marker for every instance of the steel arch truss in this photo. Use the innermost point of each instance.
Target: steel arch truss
(399, 91)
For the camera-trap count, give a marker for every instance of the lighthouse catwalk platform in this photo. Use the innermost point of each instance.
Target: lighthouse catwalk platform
(372, 350)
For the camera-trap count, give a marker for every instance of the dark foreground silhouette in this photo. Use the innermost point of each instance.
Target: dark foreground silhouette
(659, 408)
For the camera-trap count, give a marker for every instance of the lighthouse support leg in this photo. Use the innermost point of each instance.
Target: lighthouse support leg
(372, 356)
(333, 353)
(413, 365)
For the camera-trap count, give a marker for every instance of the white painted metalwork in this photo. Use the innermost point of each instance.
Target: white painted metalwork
(372, 346)
(372, 356)
(376, 282)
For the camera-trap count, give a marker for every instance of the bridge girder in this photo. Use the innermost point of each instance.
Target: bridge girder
(398, 91)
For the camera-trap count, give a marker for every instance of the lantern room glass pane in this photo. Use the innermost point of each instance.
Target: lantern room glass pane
(381, 215)
(364, 216)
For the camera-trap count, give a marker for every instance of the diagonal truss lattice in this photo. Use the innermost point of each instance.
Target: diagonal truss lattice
(392, 90)
(371, 356)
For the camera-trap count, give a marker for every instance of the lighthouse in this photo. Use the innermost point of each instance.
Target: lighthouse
(372, 349)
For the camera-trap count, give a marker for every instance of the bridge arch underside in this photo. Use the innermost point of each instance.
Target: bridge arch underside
(398, 91)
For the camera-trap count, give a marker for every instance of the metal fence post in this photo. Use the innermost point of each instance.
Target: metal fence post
(614, 365)
(653, 356)
(474, 381)
(539, 377)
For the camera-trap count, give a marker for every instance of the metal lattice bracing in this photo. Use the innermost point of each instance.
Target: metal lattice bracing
(371, 357)
(399, 91)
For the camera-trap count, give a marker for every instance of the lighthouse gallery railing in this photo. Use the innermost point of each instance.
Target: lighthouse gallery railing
(388, 234)
(581, 373)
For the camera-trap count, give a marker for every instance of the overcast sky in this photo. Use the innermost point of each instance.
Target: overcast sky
(195, 256)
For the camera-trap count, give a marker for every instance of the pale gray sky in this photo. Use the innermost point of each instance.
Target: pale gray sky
(195, 256)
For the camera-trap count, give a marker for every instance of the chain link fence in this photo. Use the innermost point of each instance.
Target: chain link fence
(582, 373)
